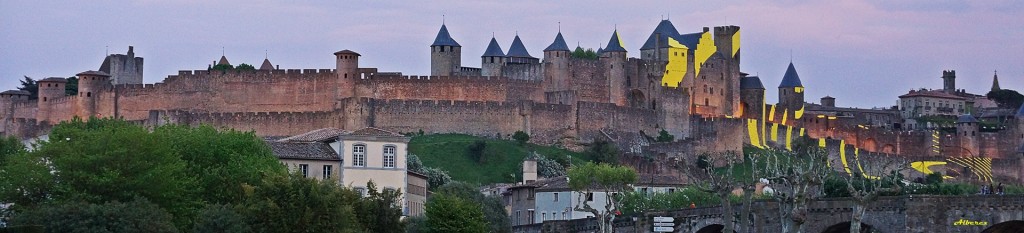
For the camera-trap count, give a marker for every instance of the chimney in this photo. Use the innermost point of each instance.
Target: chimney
(529, 170)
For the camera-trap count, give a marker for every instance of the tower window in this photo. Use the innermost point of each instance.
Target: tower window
(442, 48)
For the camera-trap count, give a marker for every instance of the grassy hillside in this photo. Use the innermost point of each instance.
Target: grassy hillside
(501, 157)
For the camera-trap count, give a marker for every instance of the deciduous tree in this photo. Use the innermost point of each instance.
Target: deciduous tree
(592, 178)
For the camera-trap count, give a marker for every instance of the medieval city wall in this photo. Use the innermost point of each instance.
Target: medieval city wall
(460, 88)
(593, 117)
(263, 123)
(587, 77)
(229, 91)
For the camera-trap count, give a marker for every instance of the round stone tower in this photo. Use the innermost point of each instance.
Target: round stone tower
(493, 59)
(49, 90)
(614, 60)
(347, 70)
(445, 54)
(90, 85)
(556, 65)
(967, 131)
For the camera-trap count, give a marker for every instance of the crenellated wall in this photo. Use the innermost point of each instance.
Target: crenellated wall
(465, 88)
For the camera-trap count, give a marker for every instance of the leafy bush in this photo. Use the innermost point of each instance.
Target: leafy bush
(436, 177)
(603, 152)
(546, 167)
(664, 136)
(220, 218)
(449, 213)
(521, 137)
(138, 215)
(476, 150)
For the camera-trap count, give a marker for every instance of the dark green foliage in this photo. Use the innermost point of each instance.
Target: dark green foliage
(224, 160)
(602, 151)
(9, 146)
(451, 214)
(245, 67)
(220, 219)
(297, 204)
(702, 162)
(934, 178)
(381, 210)
(30, 85)
(476, 150)
(521, 137)
(71, 88)
(137, 215)
(222, 67)
(493, 209)
(416, 224)
(1006, 98)
(504, 157)
(664, 136)
(588, 54)
(23, 229)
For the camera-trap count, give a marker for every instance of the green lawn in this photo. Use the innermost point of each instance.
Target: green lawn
(502, 158)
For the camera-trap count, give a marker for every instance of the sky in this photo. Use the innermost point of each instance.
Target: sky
(865, 53)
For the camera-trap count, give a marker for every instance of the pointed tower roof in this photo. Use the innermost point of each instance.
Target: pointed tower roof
(1020, 111)
(790, 79)
(751, 82)
(558, 44)
(493, 49)
(223, 61)
(444, 39)
(664, 30)
(266, 65)
(995, 82)
(518, 49)
(615, 43)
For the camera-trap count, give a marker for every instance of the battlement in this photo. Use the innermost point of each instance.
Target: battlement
(461, 79)
(62, 99)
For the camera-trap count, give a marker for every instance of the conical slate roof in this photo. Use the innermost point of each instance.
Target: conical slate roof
(664, 30)
(1020, 112)
(223, 61)
(266, 65)
(790, 79)
(444, 39)
(751, 82)
(518, 49)
(615, 43)
(995, 82)
(558, 44)
(493, 49)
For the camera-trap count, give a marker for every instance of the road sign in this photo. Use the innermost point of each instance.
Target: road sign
(663, 229)
(664, 224)
(664, 219)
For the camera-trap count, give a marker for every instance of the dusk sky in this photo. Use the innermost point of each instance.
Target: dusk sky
(863, 52)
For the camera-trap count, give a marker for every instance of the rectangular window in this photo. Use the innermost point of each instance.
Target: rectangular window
(530, 217)
(590, 196)
(556, 197)
(359, 155)
(327, 171)
(389, 157)
(304, 169)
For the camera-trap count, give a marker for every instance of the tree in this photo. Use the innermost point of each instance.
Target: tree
(881, 176)
(449, 213)
(436, 177)
(794, 176)
(664, 136)
(588, 54)
(222, 67)
(30, 85)
(521, 137)
(1006, 98)
(138, 215)
(721, 182)
(9, 146)
(381, 211)
(546, 167)
(297, 204)
(602, 151)
(592, 178)
(492, 206)
(476, 150)
(245, 67)
(220, 219)
(71, 88)
(224, 160)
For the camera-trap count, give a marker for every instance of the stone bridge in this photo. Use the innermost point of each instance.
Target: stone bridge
(914, 213)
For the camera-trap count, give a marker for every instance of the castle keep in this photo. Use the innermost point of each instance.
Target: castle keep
(688, 84)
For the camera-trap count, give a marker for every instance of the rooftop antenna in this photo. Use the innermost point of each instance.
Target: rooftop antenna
(790, 56)
(442, 18)
(106, 50)
(266, 54)
(221, 51)
(559, 26)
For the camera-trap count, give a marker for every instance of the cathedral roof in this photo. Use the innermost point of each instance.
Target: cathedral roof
(966, 118)
(558, 44)
(751, 82)
(223, 61)
(664, 30)
(266, 65)
(615, 43)
(493, 49)
(790, 79)
(444, 39)
(518, 49)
